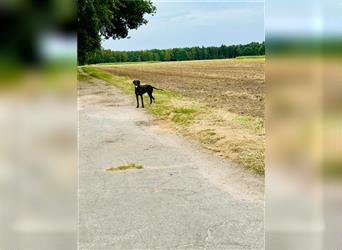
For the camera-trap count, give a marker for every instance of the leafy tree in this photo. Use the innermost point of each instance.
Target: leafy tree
(107, 19)
(167, 55)
(262, 49)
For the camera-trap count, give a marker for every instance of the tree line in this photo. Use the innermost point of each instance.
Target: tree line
(179, 54)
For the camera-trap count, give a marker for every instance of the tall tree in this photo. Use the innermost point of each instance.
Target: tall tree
(107, 19)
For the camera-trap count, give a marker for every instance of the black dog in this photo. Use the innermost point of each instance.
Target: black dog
(142, 89)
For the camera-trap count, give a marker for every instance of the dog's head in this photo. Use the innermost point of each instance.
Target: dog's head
(136, 83)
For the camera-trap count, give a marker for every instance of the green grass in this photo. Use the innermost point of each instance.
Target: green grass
(165, 109)
(98, 74)
(184, 110)
(182, 118)
(250, 122)
(125, 167)
(182, 115)
(250, 57)
(162, 109)
(82, 77)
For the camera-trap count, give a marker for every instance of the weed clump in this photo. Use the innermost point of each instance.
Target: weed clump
(125, 167)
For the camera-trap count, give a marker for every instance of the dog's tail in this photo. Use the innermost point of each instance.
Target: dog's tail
(157, 88)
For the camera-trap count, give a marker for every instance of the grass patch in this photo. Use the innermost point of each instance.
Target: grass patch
(82, 77)
(182, 115)
(161, 109)
(250, 57)
(209, 136)
(164, 109)
(125, 167)
(97, 73)
(182, 118)
(250, 154)
(250, 122)
(184, 111)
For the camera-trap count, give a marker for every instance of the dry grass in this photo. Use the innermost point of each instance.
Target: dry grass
(219, 104)
(125, 167)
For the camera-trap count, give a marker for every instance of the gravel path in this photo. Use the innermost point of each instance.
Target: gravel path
(183, 198)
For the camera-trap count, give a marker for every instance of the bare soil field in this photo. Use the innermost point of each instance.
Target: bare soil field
(218, 104)
(234, 85)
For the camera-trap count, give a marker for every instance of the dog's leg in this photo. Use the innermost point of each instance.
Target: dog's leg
(151, 98)
(137, 100)
(142, 101)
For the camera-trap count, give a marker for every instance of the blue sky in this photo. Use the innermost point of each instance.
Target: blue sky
(186, 23)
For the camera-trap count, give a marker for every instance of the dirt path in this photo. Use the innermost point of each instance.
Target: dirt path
(183, 198)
